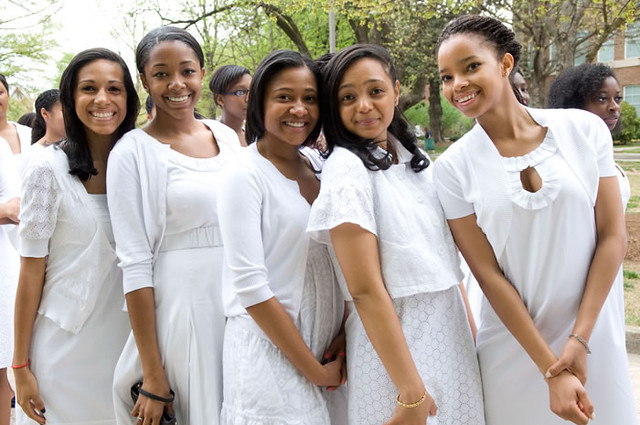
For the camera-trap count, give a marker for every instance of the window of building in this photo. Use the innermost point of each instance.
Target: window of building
(632, 96)
(632, 41)
(605, 54)
(580, 56)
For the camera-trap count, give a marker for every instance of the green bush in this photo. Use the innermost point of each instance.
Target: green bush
(629, 127)
(454, 123)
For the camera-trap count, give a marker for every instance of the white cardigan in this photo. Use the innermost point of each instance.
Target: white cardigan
(263, 218)
(56, 220)
(137, 196)
(470, 174)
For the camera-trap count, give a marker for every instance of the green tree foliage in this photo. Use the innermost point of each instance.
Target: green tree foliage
(629, 127)
(454, 123)
(24, 36)
(553, 31)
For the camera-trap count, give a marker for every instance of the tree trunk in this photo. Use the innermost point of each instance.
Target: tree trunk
(435, 110)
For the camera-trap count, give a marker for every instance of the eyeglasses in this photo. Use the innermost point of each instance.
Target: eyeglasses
(239, 93)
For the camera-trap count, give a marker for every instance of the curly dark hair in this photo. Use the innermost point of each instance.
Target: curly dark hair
(574, 86)
(335, 131)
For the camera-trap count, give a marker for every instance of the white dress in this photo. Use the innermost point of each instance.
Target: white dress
(555, 226)
(261, 386)
(9, 260)
(401, 208)
(75, 370)
(189, 315)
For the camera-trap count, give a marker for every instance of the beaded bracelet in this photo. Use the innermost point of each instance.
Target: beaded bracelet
(582, 341)
(412, 405)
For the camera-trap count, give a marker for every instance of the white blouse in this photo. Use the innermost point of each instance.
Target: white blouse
(263, 218)
(401, 208)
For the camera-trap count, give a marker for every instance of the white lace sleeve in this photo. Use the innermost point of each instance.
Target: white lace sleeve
(346, 196)
(38, 210)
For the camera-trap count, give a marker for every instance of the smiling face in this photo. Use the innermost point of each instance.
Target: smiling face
(367, 98)
(605, 103)
(474, 79)
(291, 109)
(173, 78)
(100, 97)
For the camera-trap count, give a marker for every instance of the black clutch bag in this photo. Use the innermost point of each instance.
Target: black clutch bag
(167, 419)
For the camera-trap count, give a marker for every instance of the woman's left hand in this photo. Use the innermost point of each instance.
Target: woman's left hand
(573, 359)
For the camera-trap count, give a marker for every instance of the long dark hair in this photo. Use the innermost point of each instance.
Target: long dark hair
(76, 146)
(338, 135)
(45, 100)
(271, 65)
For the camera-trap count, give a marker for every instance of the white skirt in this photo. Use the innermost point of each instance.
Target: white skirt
(437, 331)
(75, 371)
(261, 386)
(190, 328)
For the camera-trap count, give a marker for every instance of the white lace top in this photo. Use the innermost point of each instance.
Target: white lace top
(401, 208)
(57, 220)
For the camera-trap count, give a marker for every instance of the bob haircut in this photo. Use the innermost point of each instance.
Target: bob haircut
(335, 131)
(224, 78)
(167, 33)
(76, 146)
(45, 100)
(271, 65)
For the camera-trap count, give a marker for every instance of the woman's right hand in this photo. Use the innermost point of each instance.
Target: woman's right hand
(414, 415)
(569, 399)
(149, 411)
(332, 373)
(28, 394)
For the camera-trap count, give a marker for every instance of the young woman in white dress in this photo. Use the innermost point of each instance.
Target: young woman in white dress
(533, 203)
(69, 326)
(595, 88)
(163, 181)
(17, 137)
(9, 209)
(281, 298)
(410, 352)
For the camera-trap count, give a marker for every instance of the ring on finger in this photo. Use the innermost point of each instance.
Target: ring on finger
(140, 418)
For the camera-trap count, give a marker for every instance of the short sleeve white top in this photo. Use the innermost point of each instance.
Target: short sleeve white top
(401, 208)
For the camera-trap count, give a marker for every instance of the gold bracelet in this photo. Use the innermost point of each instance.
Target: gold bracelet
(582, 341)
(412, 405)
